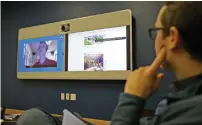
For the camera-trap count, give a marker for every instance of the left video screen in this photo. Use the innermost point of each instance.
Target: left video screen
(44, 54)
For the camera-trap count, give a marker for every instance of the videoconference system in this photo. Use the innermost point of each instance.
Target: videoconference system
(94, 47)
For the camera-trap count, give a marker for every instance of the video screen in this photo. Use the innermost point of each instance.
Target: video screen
(98, 50)
(41, 54)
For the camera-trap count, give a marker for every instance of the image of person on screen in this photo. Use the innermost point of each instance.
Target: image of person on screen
(100, 60)
(86, 64)
(93, 62)
(43, 61)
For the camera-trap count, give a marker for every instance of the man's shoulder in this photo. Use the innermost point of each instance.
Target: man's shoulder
(192, 101)
(51, 61)
(185, 110)
(36, 64)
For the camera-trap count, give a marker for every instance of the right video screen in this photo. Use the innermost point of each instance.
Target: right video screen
(98, 50)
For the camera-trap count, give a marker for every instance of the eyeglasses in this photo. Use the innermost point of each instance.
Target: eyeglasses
(153, 32)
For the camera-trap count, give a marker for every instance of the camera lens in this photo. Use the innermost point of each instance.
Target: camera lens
(65, 27)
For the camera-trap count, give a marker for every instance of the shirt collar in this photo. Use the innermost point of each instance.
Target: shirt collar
(182, 84)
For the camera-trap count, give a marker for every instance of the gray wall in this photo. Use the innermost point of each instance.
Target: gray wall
(95, 99)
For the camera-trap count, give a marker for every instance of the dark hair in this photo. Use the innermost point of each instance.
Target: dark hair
(187, 18)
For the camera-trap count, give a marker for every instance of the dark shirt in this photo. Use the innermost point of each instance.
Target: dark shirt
(100, 60)
(46, 63)
(182, 106)
(86, 66)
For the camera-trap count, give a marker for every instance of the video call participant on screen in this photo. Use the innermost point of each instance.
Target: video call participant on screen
(179, 49)
(43, 60)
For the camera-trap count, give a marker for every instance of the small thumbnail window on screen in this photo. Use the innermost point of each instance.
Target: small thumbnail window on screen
(93, 62)
(98, 50)
(40, 54)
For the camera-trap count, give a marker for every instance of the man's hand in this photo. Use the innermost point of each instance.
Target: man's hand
(144, 81)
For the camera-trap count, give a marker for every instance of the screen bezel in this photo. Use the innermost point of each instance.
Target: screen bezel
(99, 21)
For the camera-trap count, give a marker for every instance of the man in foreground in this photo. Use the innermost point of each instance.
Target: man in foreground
(178, 48)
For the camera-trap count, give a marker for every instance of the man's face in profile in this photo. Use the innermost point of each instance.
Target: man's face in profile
(160, 39)
(170, 42)
(42, 49)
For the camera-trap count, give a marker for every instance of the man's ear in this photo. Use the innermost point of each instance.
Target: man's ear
(174, 38)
